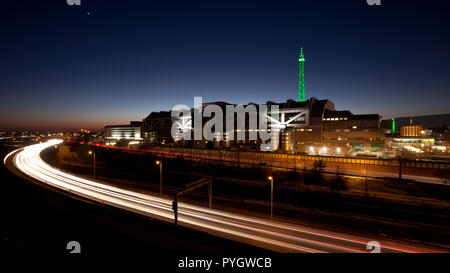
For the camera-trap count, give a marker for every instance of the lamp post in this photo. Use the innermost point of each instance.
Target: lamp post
(366, 180)
(58, 158)
(158, 162)
(271, 196)
(93, 153)
(399, 168)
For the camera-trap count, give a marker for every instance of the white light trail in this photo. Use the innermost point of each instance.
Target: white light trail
(274, 235)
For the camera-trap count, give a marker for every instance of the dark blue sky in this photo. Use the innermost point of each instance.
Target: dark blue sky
(63, 67)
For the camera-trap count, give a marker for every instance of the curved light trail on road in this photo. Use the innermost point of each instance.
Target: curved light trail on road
(268, 234)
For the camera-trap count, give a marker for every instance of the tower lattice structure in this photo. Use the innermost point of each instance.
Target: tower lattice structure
(301, 77)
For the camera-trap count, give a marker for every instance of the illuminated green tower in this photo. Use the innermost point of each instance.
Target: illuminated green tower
(393, 126)
(301, 77)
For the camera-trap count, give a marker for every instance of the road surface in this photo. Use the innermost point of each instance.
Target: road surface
(268, 234)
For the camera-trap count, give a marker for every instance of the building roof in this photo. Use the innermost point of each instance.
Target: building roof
(119, 126)
(349, 115)
(366, 116)
(132, 124)
(289, 104)
(319, 106)
(337, 114)
(161, 114)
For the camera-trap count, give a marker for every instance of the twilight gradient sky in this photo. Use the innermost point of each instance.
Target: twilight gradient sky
(108, 62)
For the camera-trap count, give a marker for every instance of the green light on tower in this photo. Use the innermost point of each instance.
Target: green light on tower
(393, 126)
(301, 77)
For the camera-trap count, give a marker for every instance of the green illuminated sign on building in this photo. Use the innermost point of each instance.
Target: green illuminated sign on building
(393, 126)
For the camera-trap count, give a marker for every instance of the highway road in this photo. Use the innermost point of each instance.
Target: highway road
(268, 234)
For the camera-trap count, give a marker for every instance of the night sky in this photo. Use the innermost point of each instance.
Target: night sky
(109, 62)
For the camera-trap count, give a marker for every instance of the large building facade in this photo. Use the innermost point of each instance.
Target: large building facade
(305, 126)
(123, 134)
(312, 126)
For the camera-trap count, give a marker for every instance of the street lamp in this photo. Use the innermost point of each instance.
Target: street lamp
(271, 196)
(160, 176)
(93, 153)
(366, 180)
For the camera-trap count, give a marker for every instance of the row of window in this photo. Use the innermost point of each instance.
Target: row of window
(334, 119)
